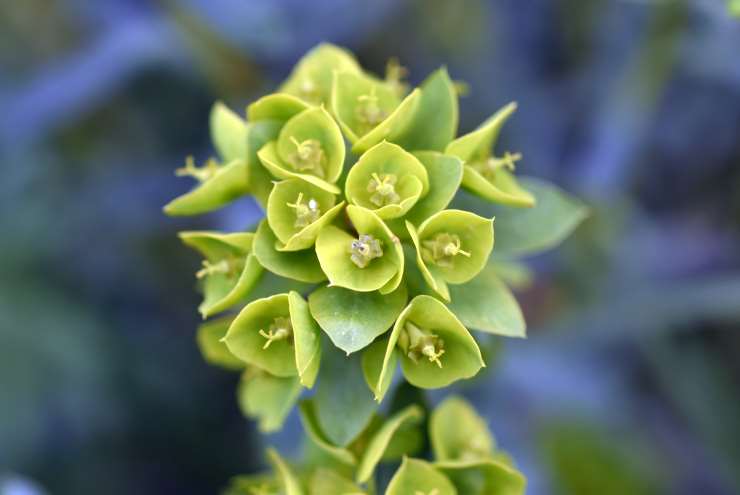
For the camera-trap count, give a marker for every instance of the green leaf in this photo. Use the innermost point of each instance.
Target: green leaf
(279, 107)
(352, 320)
(267, 399)
(434, 123)
(230, 271)
(260, 180)
(297, 210)
(387, 162)
(327, 482)
(228, 183)
(298, 265)
(311, 79)
(382, 438)
(392, 126)
(228, 133)
(457, 432)
(318, 437)
(484, 477)
(419, 477)
(246, 341)
(461, 356)
(343, 404)
(487, 305)
(287, 478)
(333, 247)
(306, 339)
(211, 347)
(523, 232)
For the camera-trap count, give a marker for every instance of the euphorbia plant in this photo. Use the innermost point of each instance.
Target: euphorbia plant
(367, 260)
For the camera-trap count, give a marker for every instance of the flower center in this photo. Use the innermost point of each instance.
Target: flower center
(201, 174)
(280, 329)
(383, 189)
(442, 249)
(305, 213)
(491, 165)
(368, 112)
(231, 267)
(395, 73)
(364, 249)
(308, 157)
(419, 343)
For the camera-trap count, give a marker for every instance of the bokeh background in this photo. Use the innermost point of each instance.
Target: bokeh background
(630, 380)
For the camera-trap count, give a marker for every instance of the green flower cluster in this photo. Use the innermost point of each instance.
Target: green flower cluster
(466, 460)
(359, 247)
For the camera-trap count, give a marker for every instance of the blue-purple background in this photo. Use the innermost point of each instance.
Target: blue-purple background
(630, 380)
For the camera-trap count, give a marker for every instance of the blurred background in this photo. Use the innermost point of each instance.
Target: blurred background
(630, 380)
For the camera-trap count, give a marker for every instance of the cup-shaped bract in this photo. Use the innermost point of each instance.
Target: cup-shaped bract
(458, 433)
(387, 180)
(311, 79)
(277, 334)
(230, 269)
(435, 349)
(419, 477)
(486, 175)
(369, 110)
(302, 265)
(279, 107)
(452, 246)
(370, 260)
(309, 147)
(296, 212)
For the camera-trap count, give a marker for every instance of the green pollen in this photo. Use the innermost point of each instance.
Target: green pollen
(488, 168)
(201, 174)
(305, 213)
(383, 189)
(308, 157)
(368, 112)
(420, 343)
(442, 250)
(364, 249)
(280, 329)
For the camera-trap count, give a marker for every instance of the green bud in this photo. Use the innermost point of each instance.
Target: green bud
(229, 271)
(311, 79)
(387, 180)
(309, 147)
(371, 259)
(277, 334)
(297, 210)
(298, 265)
(452, 246)
(486, 175)
(417, 477)
(435, 348)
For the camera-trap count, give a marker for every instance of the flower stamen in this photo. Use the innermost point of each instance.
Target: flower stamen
(280, 329)
(305, 213)
(201, 174)
(308, 157)
(364, 249)
(227, 266)
(420, 343)
(368, 112)
(490, 166)
(383, 188)
(442, 249)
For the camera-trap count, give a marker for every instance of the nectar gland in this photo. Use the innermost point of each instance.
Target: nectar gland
(305, 213)
(442, 250)
(308, 157)
(419, 343)
(383, 189)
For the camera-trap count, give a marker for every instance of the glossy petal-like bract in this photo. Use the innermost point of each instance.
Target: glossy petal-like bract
(311, 79)
(387, 180)
(485, 175)
(279, 107)
(379, 366)
(455, 354)
(419, 477)
(212, 348)
(458, 432)
(228, 133)
(392, 126)
(230, 270)
(226, 183)
(452, 246)
(298, 265)
(267, 399)
(296, 212)
(483, 477)
(313, 430)
(306, 339)
(309, 147)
